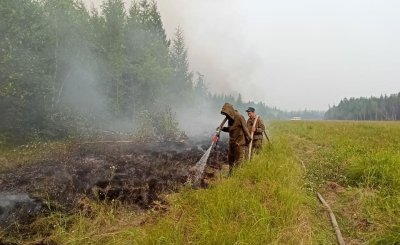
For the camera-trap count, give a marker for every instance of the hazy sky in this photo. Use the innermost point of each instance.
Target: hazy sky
(291, 54)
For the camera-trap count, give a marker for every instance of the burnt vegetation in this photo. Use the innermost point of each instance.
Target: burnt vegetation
(93, 78)
(134, 174)
(107, 81)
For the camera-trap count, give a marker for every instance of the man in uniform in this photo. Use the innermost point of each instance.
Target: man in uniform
(257, 130)
(239, 135)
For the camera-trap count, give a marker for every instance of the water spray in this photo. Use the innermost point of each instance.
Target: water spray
(198, 169)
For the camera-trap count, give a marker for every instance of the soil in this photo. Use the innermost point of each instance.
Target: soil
(133, 173)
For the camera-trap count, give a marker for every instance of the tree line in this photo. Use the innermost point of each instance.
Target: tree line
(67, 70)
(384, 108)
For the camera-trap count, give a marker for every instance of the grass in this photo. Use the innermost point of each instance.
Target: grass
(263, 203)
(364, 159)
(269, 200)
(12, 157)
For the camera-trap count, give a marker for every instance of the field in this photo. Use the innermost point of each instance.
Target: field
(269, 200)
(355, 166)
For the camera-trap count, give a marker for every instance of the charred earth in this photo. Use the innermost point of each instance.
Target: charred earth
(132, 173)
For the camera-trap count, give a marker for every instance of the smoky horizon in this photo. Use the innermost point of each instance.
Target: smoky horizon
(290, 54)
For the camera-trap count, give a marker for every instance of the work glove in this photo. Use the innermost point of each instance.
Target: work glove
(215, 138)
(248, 139)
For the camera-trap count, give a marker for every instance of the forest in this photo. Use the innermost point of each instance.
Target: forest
(67, 70)
(103, 124)
(384, 108)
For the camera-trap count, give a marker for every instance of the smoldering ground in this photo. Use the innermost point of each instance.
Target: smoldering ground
(133, 173)
(90, 87)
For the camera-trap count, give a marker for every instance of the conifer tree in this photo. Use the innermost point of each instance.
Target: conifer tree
(183, 82)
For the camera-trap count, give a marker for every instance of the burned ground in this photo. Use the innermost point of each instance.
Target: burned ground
(133, 173)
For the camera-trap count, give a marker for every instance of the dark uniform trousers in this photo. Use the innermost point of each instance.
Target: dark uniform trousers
(236, 154)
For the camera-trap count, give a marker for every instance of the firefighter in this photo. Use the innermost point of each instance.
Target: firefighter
(239, 135)
(257, 130)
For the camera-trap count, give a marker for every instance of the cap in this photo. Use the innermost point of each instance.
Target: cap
(250, 109)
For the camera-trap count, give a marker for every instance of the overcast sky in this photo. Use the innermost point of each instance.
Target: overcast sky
(291, 54)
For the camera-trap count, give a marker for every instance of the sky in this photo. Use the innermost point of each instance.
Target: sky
(291, 54)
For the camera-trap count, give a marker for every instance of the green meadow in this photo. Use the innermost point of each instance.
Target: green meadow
(268, 200)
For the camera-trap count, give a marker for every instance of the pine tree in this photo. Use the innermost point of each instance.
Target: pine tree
(179, 59)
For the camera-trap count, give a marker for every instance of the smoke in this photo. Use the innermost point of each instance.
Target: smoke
(82, 94)
(83, 71)
(291, 54)
(200, 120)
(82, 89)
(227, 71)
(217, 41)
(21, 203)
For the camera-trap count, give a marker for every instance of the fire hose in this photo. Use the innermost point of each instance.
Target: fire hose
(215, 138)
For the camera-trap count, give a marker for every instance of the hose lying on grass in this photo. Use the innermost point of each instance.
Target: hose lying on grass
(333, 220)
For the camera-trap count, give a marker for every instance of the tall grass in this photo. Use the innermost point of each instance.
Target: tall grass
(364, 158)
(263, 203)
(268, 200)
